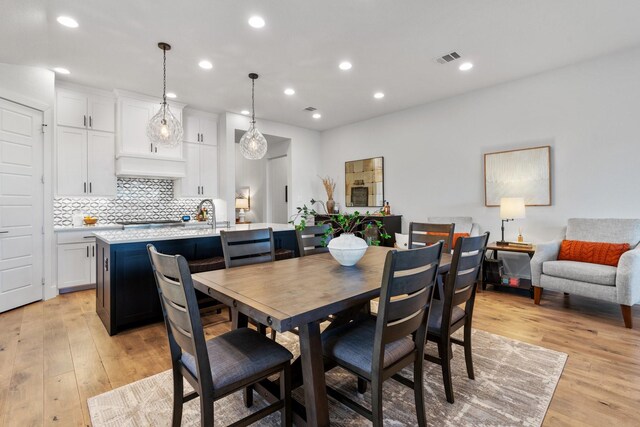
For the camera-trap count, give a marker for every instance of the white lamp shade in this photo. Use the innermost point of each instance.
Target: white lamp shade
(512, 208)
(242, 203)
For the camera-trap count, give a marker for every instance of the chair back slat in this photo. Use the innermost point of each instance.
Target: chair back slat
(408, 285)
(460, 285)
(180, 311)
(423, 234)
(247, 247)
(313, 239)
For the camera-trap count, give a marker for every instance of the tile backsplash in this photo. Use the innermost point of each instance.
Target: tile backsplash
(137, 199)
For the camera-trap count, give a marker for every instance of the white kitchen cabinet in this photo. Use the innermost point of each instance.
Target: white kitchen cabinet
(76, 264)
(133, 118)
(85, 110)
(85, 163)
(201, 178)
(200, 127)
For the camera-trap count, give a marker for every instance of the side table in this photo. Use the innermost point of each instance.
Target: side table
(495, 248)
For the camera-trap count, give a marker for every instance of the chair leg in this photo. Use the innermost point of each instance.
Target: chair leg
(248, 396)
(376, 402)
(467, 350)
(444, 352)
(273, 334)
(362, 385)
(285, 395)
(627, 316)
(206, 411)
(230, 315)
(178, 398)
(537, 295)
(418, 391)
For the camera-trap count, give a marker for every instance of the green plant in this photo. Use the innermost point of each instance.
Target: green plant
(340, 223)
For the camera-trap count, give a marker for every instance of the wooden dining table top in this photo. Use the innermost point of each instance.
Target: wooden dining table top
(289, 293)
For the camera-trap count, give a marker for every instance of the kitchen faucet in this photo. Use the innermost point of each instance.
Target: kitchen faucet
(211, 219)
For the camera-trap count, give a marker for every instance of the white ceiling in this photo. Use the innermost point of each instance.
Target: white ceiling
(392, 45)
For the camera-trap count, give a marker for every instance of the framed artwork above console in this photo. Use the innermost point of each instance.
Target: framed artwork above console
(364, 182)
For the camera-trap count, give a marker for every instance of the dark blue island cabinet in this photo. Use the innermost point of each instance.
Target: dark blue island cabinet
(126, 294)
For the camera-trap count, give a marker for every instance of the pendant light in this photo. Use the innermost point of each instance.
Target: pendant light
(164, 128)
(253, 145)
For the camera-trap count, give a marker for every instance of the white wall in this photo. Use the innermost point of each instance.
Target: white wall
(589, 113)
(304, 155)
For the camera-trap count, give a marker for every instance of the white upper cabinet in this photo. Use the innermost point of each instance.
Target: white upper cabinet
(200, 127)
(201, 179)
(85, 110)
(101, 164)
(134, 113)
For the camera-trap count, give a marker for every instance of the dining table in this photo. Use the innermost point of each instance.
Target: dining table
(299, 294)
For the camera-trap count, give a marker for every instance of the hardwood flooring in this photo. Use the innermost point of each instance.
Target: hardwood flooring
(56, 354)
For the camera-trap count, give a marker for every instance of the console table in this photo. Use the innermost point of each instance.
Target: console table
(392, 225)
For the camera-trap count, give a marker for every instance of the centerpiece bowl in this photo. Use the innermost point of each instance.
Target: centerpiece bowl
(347, 249)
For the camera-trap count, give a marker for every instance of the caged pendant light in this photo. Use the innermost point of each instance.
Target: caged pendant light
(164, 128)
(253, 145)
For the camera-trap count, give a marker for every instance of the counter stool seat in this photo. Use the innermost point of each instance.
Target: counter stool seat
(283, 254)
(206, 264)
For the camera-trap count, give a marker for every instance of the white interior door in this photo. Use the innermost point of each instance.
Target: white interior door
(21, 205)
(278, 197)
(101, 164)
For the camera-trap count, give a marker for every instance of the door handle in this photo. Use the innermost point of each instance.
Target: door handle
(84, 120)
(90, 122)
(87, 251)
(286, 194)
(151, 145)
(3, 232)
(90, 190)
(93, 251)
(85, 187)
(202, 137)
(202, 189)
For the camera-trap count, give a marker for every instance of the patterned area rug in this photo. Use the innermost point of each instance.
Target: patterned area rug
(514, 384)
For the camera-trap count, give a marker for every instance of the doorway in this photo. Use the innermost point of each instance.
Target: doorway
(21, 205)
(278, 190)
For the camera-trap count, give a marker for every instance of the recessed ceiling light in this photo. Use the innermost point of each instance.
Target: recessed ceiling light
(256, 22)
(316, 115)
(205, 64)
(61, 70)
(378, 95)
(289, 91)
(345, 65)
(171, 95)
(67, 21)
(465, 66)
(245, 112)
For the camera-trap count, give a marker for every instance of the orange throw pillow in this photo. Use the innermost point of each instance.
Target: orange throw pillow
(456, 236)
(592, 252)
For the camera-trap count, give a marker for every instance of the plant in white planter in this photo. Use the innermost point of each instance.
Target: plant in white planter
(349, 247)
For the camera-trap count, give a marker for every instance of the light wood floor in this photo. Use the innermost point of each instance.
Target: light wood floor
(56, 354)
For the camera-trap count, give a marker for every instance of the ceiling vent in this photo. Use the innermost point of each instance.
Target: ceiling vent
(310, 109)
(449, 57)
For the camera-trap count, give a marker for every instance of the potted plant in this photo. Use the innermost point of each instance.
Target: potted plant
(349, 247)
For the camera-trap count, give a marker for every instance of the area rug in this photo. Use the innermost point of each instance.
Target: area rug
(514, 384)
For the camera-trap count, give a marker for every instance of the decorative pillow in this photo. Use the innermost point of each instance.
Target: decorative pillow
(592, 252)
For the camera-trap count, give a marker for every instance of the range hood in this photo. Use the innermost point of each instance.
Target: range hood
(142, 166)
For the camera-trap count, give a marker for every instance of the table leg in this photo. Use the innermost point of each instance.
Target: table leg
(315, 392)
(240, 320)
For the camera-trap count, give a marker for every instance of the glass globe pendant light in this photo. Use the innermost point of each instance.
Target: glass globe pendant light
(253, 145)
(164, 128)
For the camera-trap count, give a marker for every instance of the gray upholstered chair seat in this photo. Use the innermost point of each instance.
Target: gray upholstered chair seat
(238, 355)
(581, 271)
(352, 345)
(435, 317)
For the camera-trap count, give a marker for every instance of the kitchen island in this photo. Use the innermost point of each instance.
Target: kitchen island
(126, 294)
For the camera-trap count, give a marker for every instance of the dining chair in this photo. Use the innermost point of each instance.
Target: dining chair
(446, 314)
(313, 239)
(219, 366)
(423, 234)
(205, 302)
(378, 348)
(247, 247)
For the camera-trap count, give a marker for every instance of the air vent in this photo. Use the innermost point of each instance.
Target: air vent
(449, 57)
(310, 109)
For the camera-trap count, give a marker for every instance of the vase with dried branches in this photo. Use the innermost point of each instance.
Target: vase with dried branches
(329, 187)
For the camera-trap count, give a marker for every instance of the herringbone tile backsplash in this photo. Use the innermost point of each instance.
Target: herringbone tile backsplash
(137, 199)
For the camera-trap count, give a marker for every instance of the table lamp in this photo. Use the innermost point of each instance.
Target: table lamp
(510, 208)
(242, 204)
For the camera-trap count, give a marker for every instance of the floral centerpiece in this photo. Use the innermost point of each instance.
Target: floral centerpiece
(349, 247)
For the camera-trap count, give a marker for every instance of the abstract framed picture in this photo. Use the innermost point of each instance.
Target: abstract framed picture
(518, 173)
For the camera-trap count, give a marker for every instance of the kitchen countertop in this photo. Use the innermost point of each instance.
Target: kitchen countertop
(84, 227)
(136, 235)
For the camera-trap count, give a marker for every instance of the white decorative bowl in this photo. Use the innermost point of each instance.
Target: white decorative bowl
(347, 249)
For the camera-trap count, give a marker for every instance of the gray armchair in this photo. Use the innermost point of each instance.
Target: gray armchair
(619, 284)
